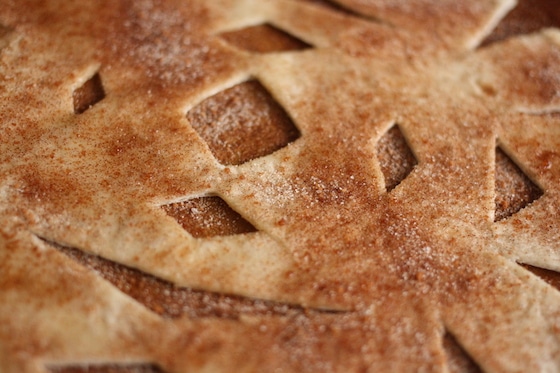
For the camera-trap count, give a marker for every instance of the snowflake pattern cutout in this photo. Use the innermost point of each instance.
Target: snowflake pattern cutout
(382, 281)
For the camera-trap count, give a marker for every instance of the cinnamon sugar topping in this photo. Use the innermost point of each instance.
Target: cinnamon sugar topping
(373, 246)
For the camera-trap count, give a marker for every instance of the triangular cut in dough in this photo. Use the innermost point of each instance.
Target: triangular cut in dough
(551, 277)
(171, 301)
(514, 189)
(264, 38)
(107, 368)
(210, 216)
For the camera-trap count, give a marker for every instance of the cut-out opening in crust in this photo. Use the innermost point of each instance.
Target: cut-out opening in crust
(514, 189)
(333, 5)
(458, 360)
(242, 123)
(88, 94)
(5, 32)
(395, 157)
(209, 216)
(528, 16)
(106, 368)
(171, 301)
(264, 38)
(550, 277)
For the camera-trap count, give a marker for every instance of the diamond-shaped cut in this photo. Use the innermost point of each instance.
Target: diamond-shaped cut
(242, 123)
(264, 38)
(514, 190)
(89, 94)
(395, 157)
(208, 217)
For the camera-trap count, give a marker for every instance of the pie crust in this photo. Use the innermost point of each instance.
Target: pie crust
(279, 185)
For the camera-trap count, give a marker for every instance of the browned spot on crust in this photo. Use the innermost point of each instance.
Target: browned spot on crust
(207, 217)
(264, 39)
(514, 190)
(242, 123)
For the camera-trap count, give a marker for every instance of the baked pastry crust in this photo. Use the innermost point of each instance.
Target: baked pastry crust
(351, 276)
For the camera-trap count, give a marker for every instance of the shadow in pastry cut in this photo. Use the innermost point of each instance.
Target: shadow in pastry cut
(205, 217)
(327, 4)
(106, 368)
(527, 17)
(340, 8)
(242, 123)
(550, 277)
(264, 38)
(514, 189)
(458, 360)
(89, 94)
(5, 36)
(168, 300)
(395, 157)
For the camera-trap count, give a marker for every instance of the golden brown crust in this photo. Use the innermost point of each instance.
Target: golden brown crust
(370, 279)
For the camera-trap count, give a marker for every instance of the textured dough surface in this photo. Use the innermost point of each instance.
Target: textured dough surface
(362, 278)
